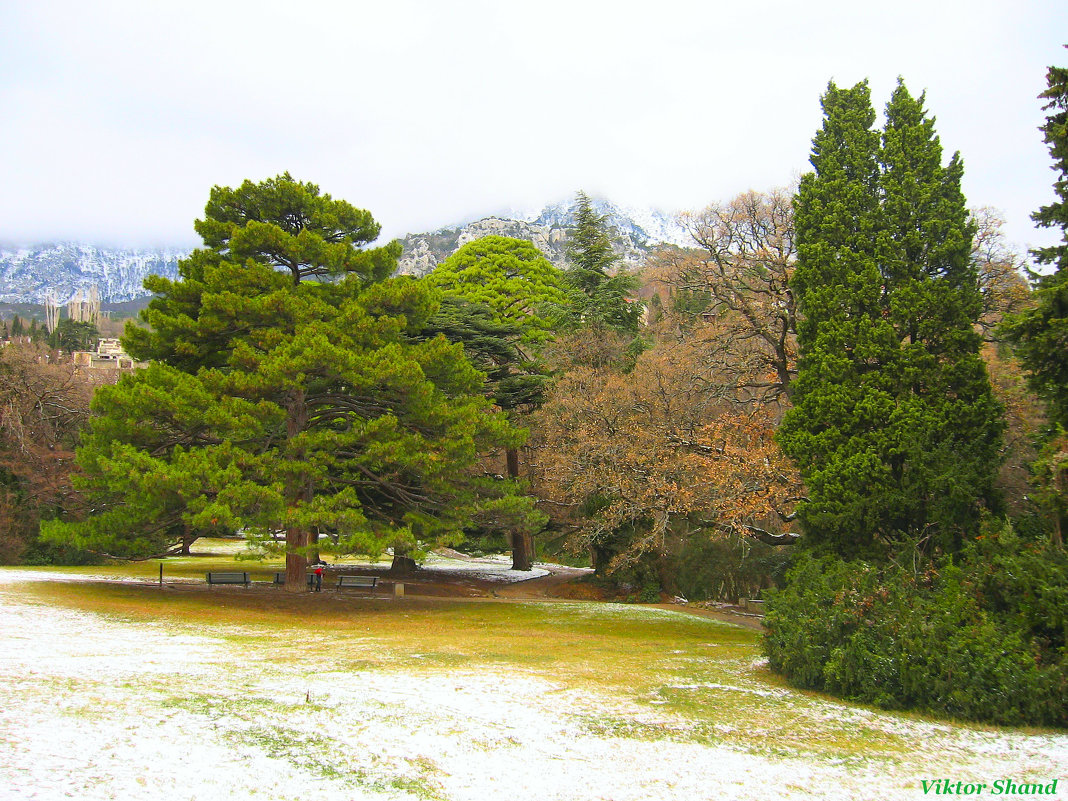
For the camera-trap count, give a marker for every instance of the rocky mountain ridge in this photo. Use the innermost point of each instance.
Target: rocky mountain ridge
(31, 274)
(635, 233)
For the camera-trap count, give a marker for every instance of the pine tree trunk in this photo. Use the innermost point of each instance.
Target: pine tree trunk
(601, 558)
(187, 542)
(522, 542)
(299, 491)
(296, 561)
(403, 565)
(522, 550)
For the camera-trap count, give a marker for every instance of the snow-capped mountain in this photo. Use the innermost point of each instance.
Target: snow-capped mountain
(635, 233)
(30, 274)
(644, 228)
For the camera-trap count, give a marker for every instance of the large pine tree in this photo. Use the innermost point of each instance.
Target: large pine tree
(894, 427)
(282, 403)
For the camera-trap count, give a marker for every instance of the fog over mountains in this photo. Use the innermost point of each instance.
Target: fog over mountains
(30, 274)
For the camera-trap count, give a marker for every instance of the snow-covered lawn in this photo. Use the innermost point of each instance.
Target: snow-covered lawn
(100, 707)
(486, 568)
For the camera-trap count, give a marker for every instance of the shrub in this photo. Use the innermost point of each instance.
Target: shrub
(650, 593)
(726, 567)
(980, 639)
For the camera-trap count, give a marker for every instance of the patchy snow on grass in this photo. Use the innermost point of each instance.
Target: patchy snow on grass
(496, 568)
(484, 568)
(103, 708)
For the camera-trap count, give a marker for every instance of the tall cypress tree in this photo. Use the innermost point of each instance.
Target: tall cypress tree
(894, 427)
(1041, 334)
(840, 396)
(945, 418)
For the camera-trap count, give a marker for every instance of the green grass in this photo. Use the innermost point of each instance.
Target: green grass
(697, 680)
(702, 676)
(207, 554)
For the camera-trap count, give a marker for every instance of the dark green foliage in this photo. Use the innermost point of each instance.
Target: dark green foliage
(728, 567)
(71, 336)
(589, 248)
(602, 292)
(494, 347)
(981, 637)
(1041, 333)
(41, 552)
(1040, 336)
(503, 299)
(280, 404)
(650, 593)
(894, 426)
(1055, 134)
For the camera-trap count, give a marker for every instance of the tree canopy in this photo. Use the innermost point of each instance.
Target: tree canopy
(259, 239)
(503, 300)
(602, 292)
(511, 277)
(282, 406)
(894, 428)
(1041, 333)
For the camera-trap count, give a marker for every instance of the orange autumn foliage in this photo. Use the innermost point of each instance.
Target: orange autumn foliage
(667, 448)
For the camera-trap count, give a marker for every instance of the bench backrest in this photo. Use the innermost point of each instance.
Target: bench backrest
(356, 581)
(228, 578)
(280, 578)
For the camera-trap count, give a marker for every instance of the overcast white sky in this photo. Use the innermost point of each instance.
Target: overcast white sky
(118, 116)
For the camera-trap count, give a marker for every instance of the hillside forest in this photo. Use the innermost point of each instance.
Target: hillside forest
(848, 397)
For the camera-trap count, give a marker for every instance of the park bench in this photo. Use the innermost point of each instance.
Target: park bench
(229, 578)
(280, 578)
(357, 582)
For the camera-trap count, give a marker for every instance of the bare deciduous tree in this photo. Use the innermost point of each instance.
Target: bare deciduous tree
(741, 267)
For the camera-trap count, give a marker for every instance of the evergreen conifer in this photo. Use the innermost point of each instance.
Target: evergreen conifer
(894, 425)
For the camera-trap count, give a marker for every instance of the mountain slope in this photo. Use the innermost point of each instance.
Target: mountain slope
(30, 274)
(635, 233)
